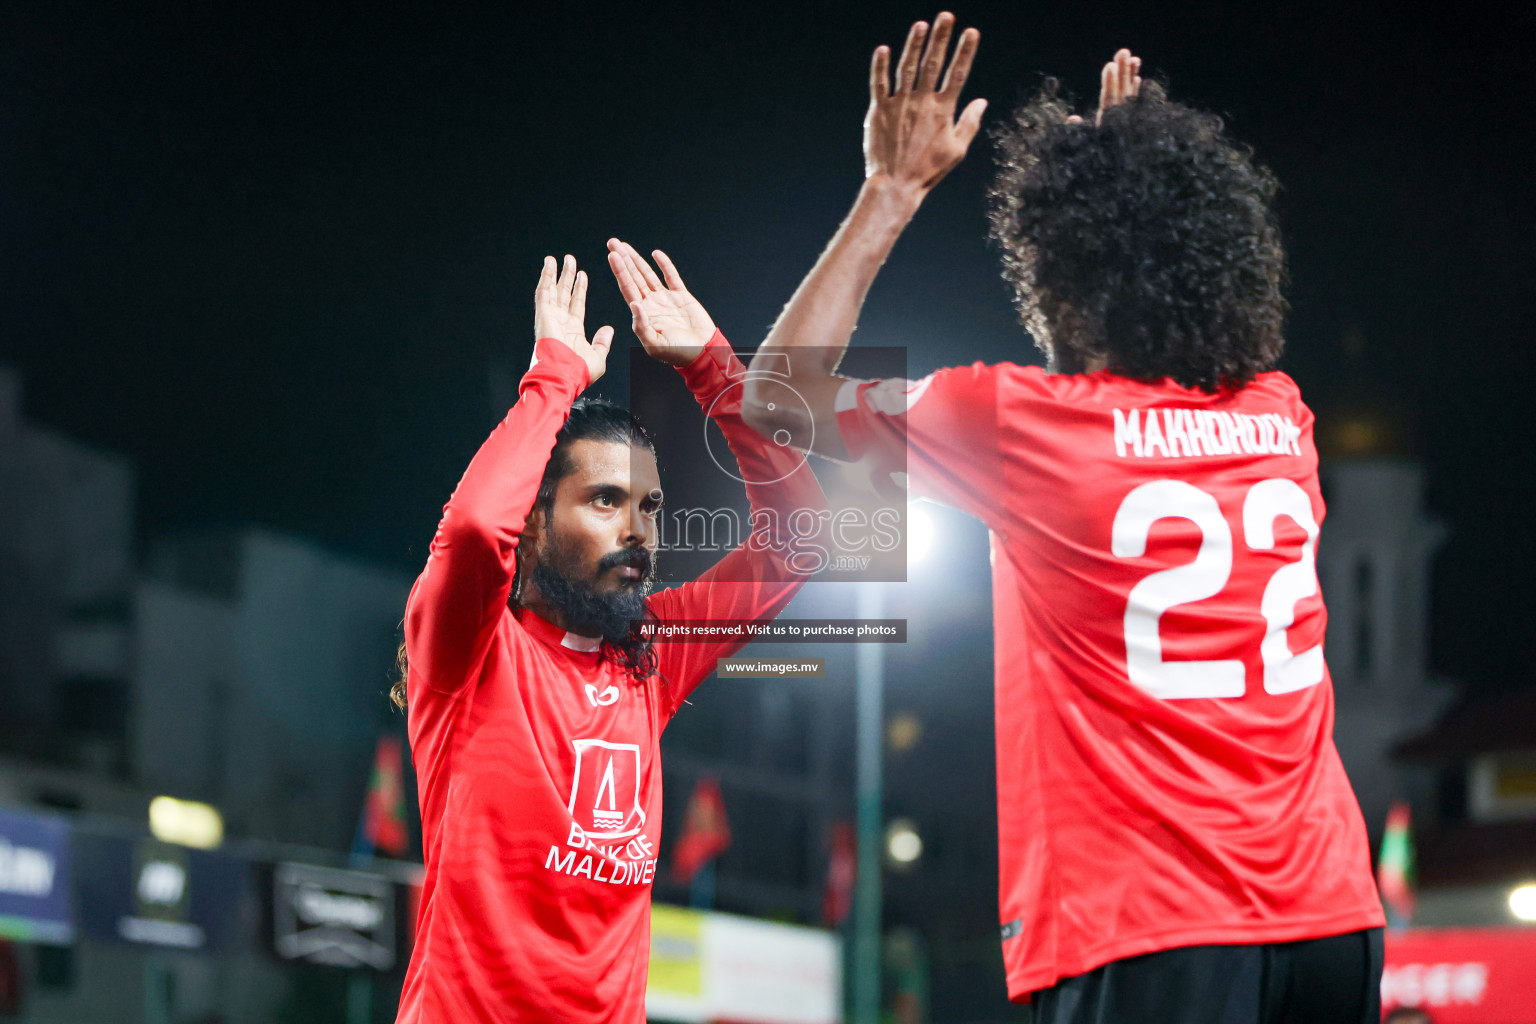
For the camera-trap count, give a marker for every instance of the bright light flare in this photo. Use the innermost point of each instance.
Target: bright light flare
(902, 843)
(185, 822)
(904, 731)
(919, 533)
(1522, 902)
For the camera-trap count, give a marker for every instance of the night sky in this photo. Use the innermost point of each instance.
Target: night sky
(280, 254)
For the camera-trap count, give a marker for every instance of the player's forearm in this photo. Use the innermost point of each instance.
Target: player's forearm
(759, 576)
(473, 555)
(776, 475)
(498, 488)
(819, 320)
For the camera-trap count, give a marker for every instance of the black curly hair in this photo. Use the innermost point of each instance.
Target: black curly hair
(1148, 242)
(590, 419)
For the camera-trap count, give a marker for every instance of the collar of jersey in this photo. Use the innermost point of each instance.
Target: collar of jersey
(554, 636)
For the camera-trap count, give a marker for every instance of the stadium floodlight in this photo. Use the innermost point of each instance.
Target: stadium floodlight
(185, 822)
(919, 532)
(902, 843)
(1522, 902)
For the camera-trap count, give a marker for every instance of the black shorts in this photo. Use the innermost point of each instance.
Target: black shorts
(1336, 980)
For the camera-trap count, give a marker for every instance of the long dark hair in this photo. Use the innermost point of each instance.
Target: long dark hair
(1149, 241)
(590, 419)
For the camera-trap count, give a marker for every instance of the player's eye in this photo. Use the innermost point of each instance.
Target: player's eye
(605, 500)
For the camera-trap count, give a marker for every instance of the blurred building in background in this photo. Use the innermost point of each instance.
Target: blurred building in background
(1477, 840)
(1373, 563)
(263, 665)
(66, 578)
(241, 668)
(1463, 760)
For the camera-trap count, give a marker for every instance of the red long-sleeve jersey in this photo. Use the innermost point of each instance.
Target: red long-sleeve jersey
(538, 759)
(1166, 774)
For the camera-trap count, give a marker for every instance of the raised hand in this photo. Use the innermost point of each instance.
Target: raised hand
(1119, 81)
(910, 132)
(560, 310)
(670, 323)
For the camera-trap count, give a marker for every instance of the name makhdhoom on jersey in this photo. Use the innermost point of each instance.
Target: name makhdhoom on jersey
(1179, 432)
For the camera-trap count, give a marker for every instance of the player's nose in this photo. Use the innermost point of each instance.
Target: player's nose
(638, 528)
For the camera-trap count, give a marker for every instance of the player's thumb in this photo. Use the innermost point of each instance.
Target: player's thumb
(597, 358)
(970, 121)
(602, 341)
(641, 325)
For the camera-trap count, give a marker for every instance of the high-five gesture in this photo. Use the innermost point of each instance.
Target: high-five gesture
(670, 322)
(910, 132)
(560, 311)
(911, 140)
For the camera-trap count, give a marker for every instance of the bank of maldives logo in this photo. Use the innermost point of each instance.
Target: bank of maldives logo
(605, 791)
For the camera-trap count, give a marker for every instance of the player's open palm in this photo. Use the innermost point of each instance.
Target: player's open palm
(910, 133)
(560, 311)
(671, 324)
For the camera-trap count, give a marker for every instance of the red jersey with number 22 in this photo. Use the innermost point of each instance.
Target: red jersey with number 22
(1166, 774)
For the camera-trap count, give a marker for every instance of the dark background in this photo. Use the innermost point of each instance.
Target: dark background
(281, 254)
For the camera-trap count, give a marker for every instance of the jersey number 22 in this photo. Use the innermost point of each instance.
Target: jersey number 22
(1205, 577)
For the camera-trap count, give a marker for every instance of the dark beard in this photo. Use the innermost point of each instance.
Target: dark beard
(587, 612)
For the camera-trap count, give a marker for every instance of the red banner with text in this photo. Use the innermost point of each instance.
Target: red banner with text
(1463, 975)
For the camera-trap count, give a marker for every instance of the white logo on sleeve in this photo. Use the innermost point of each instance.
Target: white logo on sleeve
(605, 794)
(896, 396)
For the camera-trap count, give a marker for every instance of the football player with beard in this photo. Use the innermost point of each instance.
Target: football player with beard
(535, 697)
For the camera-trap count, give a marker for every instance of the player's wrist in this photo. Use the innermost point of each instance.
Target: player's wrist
(704, 348)
(891, 195)
(554, 358)
(712, 368)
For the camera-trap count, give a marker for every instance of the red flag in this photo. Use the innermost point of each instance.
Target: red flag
(384, 811)
(706, 833)
(842, 872)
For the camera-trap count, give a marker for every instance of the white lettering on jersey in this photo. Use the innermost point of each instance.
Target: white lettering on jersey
(1187, 433)
(1127, 432)
(1154, 435)
(631, 863)
(1178, 440)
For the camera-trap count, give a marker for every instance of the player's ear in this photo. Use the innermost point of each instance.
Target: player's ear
(533, 528)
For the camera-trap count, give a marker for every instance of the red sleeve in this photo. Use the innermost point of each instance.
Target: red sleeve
(459, 597)
(937, 438)
(755, 580)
